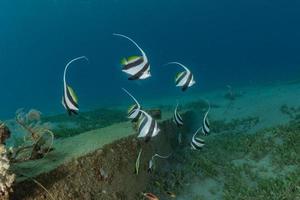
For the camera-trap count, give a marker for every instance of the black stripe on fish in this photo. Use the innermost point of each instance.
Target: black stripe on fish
(177, 119)
(151, 130)
(180, 77)
(69, 110)
(132, 110)
(134, 64)
(143, 123)
(187, 83)
(205, 128)
(69, 96)
(139, 73)
(137, 117)
(195, 146)
(199, 140)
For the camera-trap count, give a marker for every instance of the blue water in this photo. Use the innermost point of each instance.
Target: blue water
(223, 42)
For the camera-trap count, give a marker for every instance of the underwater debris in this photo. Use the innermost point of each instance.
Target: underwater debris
(137, 162)
(151, 162)
(103, 174)
(39, 140)
(183, 79)
(7, 178)
(150, 196)
(137, 67)
(155, 113)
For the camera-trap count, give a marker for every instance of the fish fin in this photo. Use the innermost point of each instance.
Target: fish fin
(131, 108)
(131, 58)
(124, 61)
(177, 75)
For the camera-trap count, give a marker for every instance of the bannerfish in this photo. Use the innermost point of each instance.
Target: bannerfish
(147, 126)
(150, 196)
(70, 99)
(183, 79)
(151, 162)
(137, 67)
(206, 123)
(134, 111)
(197, 143)
(137, 162)
(177, 119)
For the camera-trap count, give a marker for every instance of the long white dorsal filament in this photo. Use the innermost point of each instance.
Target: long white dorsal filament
(177, 63)
(159, 156)
(197, 132)
(70, 62)
(131, 40)
(134, 99)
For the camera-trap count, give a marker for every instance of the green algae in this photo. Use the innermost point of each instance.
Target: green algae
(263, 165)
(85, 121)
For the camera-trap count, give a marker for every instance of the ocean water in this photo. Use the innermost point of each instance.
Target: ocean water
(232, 42)
(251, 46)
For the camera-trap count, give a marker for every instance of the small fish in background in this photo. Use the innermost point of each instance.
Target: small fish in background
(183, 79)
(171, 194)
(151, 162)
(147, 126)
(70, 99)
(137, 162)
(150, 196)
(134, 111)
(137, 67)
(179, 138)
(197, 143)
(206, 123)
(177, 119)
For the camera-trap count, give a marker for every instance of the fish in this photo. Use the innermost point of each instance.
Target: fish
(137, 67)
(137, 162)
(177, 119)
(197, 143)
(206, 123)
(134, 112)
(147, 126)
(151, 161)
(70, 99)
(179, 138)
(183, 79)
(150, 196)
(171, 194)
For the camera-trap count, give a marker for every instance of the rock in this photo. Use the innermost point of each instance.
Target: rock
(155, 113)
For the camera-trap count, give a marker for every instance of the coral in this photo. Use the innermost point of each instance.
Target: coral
(6, 177)
(38, 142)
(4, 133)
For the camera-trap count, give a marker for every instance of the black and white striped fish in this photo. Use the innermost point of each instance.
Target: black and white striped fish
(183, 79)
(147, 126)
(205, 123)
(177, 119)
(197, 143)
(137, 67)
(134, 111)
(70, 99)
(151, 162)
